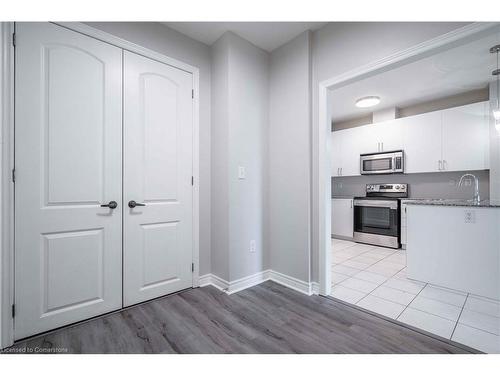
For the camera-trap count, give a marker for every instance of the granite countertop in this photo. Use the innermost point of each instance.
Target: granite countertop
(454, 202)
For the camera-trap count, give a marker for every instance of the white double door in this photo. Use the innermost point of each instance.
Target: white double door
(96, 125)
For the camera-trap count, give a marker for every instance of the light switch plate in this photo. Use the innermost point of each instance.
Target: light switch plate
(253, 246)
(241, 173)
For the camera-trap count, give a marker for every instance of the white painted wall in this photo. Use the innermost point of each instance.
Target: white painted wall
(240, 120)
(341, 47)
(169, 42)
(219, 158)
(289, 158)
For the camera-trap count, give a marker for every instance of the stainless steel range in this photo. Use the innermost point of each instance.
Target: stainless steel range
(377, 216)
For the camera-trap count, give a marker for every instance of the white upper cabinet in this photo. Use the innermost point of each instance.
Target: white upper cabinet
(389, 135)
(466, 137)
(352, 146)
(422, 142)
(336, 152)
(455, 139)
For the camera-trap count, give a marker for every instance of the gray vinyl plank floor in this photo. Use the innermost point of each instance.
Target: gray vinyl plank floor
(267, 318)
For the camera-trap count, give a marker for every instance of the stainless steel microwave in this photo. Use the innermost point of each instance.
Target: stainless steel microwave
(382, 162)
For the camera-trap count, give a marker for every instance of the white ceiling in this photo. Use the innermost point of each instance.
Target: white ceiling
(266, 35)
(454, 71)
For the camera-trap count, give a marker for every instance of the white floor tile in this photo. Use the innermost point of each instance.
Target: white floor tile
(339, 245)
(354, 264)
(371, 277)
(359, 285)
(428, 322)
(393, 295)
(346, 294)
(374, 256)
(355, 250)
(396, 258)
(452, 297)
(382, 251)
(401, 274)
(339, 257)
(338, 277)
(381, 306)
(483, 305)
(476, 338)
(436, 307)
(364, 259)
(478, 320)
(349, 271)
(389, 269)
(405, 285)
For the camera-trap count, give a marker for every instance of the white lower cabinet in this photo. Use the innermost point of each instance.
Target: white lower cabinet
(342, 217)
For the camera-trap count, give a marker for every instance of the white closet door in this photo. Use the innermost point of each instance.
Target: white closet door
(158, 137)
(68, 163)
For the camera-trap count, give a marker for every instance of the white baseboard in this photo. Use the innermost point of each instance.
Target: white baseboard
(315, 287)
(249, 281)
(257, 278)
(291, 282)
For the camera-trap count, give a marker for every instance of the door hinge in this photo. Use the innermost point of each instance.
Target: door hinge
(13, 310)
(14, 39)
(192, 180)
(192, 267)
(192, 94)
(13, 175)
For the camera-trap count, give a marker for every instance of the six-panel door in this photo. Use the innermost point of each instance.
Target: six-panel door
(158, 126)
(68, 136)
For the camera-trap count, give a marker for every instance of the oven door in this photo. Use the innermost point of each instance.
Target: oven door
(377, 222)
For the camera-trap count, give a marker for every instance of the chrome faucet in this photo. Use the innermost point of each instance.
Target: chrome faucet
(476, 198)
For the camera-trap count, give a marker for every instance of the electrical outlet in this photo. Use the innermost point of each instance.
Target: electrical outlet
(253, 246)
(468, 182)
(469, 217)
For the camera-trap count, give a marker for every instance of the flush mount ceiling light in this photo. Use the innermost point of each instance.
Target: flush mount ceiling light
(367, 101)
(496, 72)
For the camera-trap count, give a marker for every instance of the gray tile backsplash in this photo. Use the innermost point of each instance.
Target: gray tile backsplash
(422, 185)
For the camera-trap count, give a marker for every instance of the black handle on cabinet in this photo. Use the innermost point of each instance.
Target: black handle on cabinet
(111, 204)
(133, 204)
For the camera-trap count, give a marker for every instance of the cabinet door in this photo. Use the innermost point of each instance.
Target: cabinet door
(342, 217)
(466, 137)
(336, 139)
(390, 135)
(422, 142)
(353, 141)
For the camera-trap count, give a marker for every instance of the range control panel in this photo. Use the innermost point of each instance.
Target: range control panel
(387, 188)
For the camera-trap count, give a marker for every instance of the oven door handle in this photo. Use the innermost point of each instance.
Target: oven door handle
(376, 203)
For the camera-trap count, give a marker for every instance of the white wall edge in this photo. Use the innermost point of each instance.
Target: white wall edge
(6, 185)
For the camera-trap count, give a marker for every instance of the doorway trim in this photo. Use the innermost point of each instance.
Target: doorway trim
(7, 68)
(323, 183)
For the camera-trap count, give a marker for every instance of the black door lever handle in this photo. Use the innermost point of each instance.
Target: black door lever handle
(111, 205)
(133, 204)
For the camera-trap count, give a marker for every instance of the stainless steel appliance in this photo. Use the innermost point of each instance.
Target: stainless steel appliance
(382, 162)
(377, 216)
